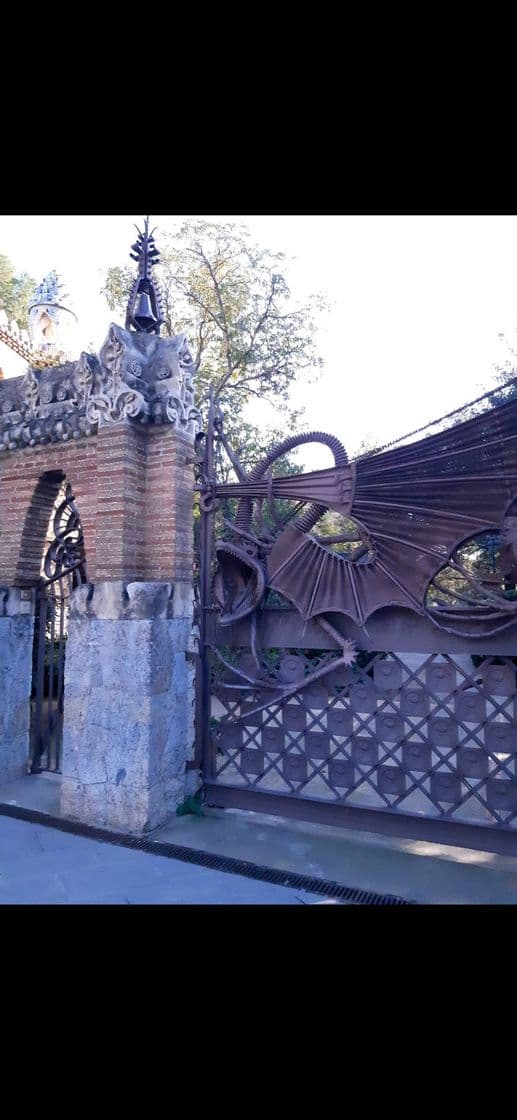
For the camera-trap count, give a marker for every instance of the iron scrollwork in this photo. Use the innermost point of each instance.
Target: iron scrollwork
(409, 512)
(65, 555)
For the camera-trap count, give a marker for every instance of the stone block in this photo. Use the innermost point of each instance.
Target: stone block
(70, 760)
(182, 603)
(129, 715)
(110, 711)
(192, 782)
(108, 600)
(72, 798)
(14, 605)
(135, 809)
(92, 765)
(76, 711)
(149, 600)
(16, 637)
(18, 719)
(95, 804)
(80, 601)
(125, 655)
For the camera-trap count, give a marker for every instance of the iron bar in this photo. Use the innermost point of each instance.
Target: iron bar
(207, 524)
(60, 680)
(51, 655)
(64, 569)
(38, 745)
(480, 837)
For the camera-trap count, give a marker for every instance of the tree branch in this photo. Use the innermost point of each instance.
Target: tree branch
(190, 295)
(225, 327)
(262, 320)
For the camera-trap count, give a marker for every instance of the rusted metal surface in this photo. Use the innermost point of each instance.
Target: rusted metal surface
(389, 628)
(367, 820)
(414, 509)
(432, 736)
(370, 698)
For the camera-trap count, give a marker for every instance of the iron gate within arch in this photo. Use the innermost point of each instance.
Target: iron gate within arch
(63, 569)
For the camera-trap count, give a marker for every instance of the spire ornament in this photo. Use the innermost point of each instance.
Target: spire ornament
(144, 311)
(137, 377)
(52, 324)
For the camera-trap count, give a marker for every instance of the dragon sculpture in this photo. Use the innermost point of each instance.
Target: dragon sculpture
(412, 510)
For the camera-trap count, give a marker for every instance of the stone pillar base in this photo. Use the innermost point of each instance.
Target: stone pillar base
(16, 638)
(129, 691)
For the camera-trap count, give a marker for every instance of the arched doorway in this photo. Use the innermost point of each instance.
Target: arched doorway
(62, 569)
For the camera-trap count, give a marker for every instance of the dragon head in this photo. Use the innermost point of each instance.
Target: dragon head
(239, 582)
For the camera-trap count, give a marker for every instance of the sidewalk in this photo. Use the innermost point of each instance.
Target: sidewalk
(418, 871)
(43, 865)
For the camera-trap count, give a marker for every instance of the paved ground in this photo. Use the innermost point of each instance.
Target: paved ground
(74, 869)
(416, 870)
(42, 865)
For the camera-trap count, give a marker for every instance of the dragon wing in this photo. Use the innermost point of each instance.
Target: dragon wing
(416, 503)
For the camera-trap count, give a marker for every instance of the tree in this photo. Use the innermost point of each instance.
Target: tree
(15, 292)
(232, 300)
(506, 372)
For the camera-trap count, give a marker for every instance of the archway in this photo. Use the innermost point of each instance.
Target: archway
(62, 568)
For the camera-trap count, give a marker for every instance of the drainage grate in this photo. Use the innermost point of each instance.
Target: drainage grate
(353, 895)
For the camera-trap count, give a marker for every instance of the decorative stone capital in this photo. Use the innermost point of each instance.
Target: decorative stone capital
(120, 600)
(140, 378)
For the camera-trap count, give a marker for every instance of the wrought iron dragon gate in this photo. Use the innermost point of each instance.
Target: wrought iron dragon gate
(358, 633)
(63, 569)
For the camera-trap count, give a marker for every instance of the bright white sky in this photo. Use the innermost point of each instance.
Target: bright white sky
(417, 303)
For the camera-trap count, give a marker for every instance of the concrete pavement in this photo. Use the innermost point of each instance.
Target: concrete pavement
(41, 865)
(74, 869)
(415, 870)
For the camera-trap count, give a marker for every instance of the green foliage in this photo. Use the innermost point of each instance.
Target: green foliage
(480, 559)
(508, 370)
(480, 658)
(15, 292)
(191, 806)
(340, 534)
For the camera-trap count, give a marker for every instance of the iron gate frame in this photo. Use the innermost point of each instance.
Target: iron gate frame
(499, 835)
(63, 570)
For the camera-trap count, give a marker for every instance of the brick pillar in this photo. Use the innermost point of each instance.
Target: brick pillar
(168, 505)
(128, 713)
(121, 507)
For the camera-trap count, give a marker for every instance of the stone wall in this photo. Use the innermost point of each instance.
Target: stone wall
(128, 727)
(16, 636)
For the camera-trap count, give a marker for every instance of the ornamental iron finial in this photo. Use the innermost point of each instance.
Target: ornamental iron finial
(144, 311)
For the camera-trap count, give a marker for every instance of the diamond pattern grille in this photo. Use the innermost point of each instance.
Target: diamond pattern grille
(429, 735)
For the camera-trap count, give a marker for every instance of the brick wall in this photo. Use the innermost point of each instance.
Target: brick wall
(133, 491)
(168, 502)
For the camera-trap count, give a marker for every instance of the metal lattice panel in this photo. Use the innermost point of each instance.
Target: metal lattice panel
(427, 735)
